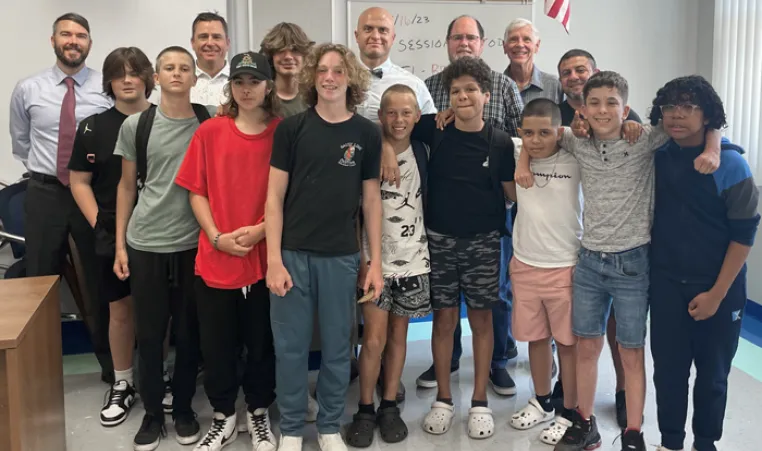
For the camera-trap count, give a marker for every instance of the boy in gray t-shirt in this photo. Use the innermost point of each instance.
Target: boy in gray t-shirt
(156, 241)
(613, 267)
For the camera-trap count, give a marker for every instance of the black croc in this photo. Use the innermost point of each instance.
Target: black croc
(360, 432)
(390, 425)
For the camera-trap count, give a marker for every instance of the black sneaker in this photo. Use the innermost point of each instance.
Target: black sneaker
(118, 403)
(187, 430)
(353, 370)
(581, 436)
(621, 409)
(150, 433)
(166, 403)
(428, 378)
(502, 382)
(633, 441)
(557, 397)
(513, 352)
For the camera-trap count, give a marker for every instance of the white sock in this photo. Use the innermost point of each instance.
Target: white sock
(125, 375)
(165, 366)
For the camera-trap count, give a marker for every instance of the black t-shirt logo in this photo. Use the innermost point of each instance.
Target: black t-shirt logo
(348, 159)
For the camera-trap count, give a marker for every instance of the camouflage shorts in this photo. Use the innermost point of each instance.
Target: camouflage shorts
(468, 265)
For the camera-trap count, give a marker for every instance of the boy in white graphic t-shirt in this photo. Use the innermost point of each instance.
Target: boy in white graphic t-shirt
(546, 239)
(405, 266)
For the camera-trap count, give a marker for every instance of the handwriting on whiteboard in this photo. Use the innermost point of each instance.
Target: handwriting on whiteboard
(412, 45)
(402, 21)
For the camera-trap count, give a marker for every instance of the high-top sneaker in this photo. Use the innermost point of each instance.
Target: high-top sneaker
(222, 432)
(258, 423)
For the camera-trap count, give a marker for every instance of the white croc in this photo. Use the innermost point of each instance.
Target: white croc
(555, 432)
(481, 424)
(530, 416)
(439, 418)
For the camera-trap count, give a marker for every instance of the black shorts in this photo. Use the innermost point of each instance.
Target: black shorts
(110, 288)
(406, 296)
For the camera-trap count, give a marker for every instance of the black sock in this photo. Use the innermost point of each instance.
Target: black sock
(386, 404)
(475, 403)
(545, 402)
(568, 414)
(447, 401)
(366, 408)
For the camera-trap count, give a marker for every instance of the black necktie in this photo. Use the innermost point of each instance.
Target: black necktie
(377, 73)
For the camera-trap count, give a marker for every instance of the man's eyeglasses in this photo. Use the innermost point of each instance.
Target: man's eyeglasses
(467, 37)
(685, 109)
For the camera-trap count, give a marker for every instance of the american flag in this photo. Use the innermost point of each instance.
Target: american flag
(559, 10)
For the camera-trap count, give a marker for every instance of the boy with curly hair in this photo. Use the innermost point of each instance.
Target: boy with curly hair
(322, 160)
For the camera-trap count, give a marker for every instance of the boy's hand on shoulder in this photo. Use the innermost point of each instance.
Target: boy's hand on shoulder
(708, 161)
(444, 117)
(390, 170)
(524, 178)
(631, 131)
(580, 127)
(705, 305)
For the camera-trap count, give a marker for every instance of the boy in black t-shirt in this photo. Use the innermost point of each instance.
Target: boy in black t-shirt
(470, 163)
(322, 160)
(95, 174)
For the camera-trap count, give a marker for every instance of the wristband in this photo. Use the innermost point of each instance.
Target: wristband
(216, 239)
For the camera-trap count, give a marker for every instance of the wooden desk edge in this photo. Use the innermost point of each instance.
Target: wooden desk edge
(52, 282)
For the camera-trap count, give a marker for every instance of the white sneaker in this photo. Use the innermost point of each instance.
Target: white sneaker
(312, 409)
(222, 433)
(118, 403)
(258, 424)
(661, 448)
(331, 442)
(289, 443)
(166, 403)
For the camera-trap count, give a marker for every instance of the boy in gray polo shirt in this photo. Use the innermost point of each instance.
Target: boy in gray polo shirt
(617, 182)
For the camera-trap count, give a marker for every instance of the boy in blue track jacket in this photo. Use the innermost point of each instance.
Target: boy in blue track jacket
(703, 230)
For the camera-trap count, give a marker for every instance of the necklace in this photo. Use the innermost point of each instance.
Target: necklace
(550, 176)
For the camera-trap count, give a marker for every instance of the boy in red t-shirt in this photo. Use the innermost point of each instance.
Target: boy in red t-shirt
(226, 171)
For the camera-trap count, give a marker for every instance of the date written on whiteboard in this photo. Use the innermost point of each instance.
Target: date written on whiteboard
(411, 45)
(402, 21)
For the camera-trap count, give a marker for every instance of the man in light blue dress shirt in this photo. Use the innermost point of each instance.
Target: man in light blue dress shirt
(38, 105)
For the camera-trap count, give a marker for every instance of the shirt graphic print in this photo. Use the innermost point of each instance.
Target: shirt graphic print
(404, 245)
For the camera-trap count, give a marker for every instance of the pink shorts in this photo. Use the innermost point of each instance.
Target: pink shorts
(542, 303)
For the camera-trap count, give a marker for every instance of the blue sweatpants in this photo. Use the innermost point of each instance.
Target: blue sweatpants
(324, 286)
(677, 342)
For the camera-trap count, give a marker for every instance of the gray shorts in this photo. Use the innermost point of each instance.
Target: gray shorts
(406, 296)
(468, 265)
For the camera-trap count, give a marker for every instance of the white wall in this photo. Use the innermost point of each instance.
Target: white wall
(148, 24)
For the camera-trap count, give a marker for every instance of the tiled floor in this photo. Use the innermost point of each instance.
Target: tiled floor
(84, 394)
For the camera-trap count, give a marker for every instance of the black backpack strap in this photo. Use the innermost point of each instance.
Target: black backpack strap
(421, 151)
(143, 132)
(202, 113)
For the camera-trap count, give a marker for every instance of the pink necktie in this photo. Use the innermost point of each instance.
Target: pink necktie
(67, 128)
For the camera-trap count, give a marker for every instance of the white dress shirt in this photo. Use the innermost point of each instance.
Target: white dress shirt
(36, 110)
(393, 74)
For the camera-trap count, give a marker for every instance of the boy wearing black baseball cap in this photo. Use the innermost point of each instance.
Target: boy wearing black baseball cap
(226, 172)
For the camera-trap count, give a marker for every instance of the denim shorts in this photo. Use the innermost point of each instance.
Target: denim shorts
(605, 277)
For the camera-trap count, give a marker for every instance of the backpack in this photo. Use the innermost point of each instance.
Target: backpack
(143, 132)
(494, 164)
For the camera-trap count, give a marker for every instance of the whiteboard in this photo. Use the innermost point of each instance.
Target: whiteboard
(421, 27)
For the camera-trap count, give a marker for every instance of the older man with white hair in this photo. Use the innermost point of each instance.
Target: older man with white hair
(521, 44)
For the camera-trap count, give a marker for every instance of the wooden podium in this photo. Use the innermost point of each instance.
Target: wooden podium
(31, 366)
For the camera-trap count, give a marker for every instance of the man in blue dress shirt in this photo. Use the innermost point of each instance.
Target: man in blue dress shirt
(45, 111)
